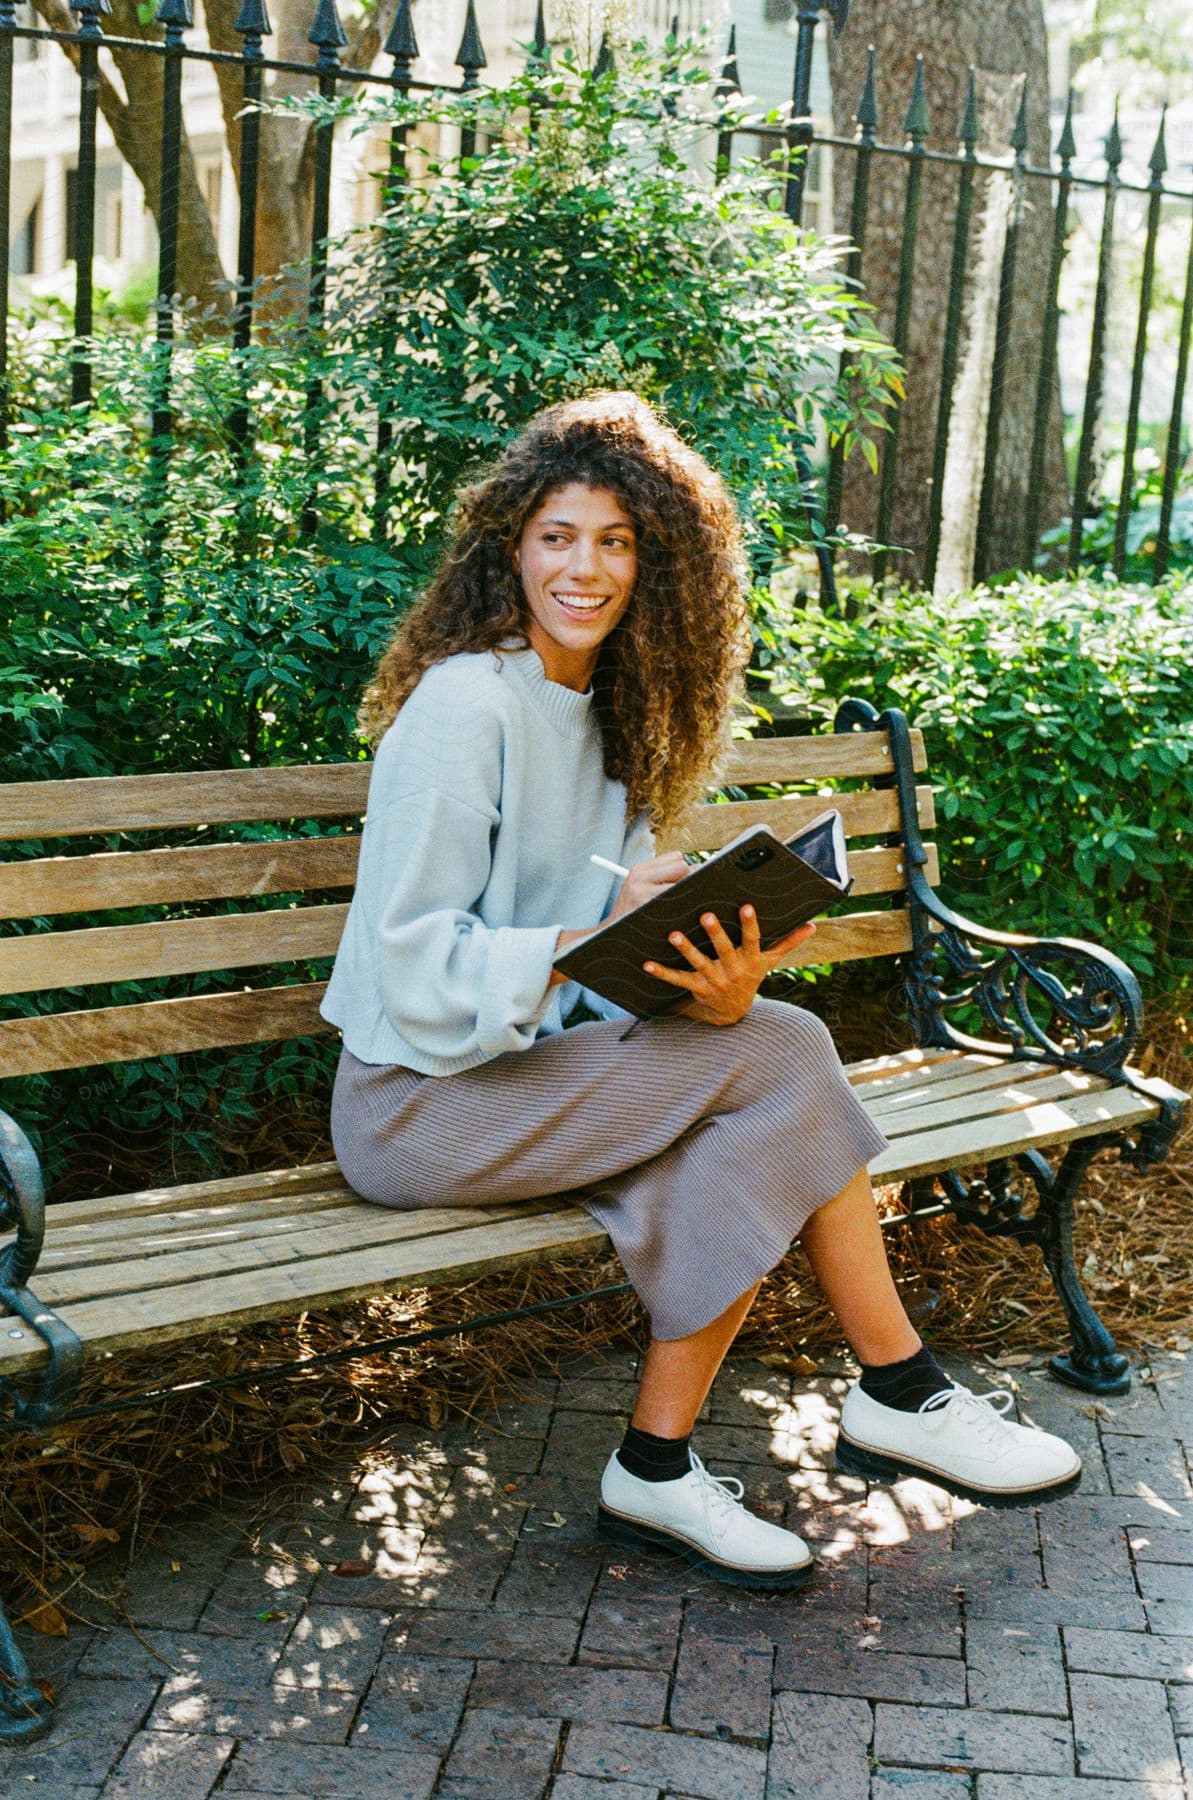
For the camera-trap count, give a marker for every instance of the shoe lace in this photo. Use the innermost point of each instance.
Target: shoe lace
(723, 1493)
(986, 1413)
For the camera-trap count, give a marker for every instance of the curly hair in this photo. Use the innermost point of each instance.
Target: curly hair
(669, 671)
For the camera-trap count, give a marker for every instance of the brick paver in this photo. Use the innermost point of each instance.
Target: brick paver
(440, 1622)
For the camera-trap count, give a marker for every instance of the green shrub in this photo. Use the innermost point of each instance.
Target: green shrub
(1059, 723)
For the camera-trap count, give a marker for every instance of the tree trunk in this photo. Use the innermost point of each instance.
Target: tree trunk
(136, 125)
(287, 141)
(999, 41)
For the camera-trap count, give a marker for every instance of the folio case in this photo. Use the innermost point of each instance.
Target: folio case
(757, 868)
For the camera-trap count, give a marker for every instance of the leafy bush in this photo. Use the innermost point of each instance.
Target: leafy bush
(1059, 723)
(590, 247)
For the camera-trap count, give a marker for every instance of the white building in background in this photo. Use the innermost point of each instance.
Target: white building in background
(46, 126)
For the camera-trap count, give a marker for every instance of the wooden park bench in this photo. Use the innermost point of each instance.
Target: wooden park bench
(1023, 1050)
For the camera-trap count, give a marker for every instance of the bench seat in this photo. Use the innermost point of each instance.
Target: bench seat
(166, 1264)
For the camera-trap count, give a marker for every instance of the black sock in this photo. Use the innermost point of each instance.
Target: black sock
(905, 1385)
(653, 1458)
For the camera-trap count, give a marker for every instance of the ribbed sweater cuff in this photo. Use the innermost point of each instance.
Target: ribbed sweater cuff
(517, 989)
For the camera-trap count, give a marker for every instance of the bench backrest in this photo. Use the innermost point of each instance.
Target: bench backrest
(307, 870)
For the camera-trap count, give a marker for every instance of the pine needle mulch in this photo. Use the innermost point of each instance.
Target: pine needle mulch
(115, 1479)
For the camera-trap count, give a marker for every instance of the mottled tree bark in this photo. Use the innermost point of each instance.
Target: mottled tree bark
(999, 41)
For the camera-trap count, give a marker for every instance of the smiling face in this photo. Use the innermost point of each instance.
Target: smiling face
(577, 559)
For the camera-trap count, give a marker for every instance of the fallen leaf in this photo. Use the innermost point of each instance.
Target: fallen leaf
(869, 1642)
(870, 1623)
(352, 1567)
(804, 1365)
(269, 1617)
(176, 1568)
(618, 1571)
(288, 1450)
(434, 1411)
(777, 1359)
(87, 1533)
(46, 1689)
(47, 1619)
(555, 1521)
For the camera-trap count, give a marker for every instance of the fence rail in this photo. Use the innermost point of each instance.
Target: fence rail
(865, 151)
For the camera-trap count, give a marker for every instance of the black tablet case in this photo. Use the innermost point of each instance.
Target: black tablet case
(785, 891)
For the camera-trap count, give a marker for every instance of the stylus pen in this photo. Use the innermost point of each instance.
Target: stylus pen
(603, 862)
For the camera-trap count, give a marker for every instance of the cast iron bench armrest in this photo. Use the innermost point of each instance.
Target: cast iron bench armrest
(22, 1204)
(1022, 986)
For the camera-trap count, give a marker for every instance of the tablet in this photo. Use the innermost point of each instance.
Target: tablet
(755, 868)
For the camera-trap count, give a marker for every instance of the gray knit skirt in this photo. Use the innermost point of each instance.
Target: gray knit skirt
(701, 1149)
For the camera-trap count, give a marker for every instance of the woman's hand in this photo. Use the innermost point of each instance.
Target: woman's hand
(723, 990)
(646, 879)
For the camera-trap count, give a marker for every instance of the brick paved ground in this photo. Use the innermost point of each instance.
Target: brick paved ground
(440, 1622)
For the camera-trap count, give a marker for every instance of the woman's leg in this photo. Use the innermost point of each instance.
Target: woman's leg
(680, 1371)
(961, 1441)
(843, 1243)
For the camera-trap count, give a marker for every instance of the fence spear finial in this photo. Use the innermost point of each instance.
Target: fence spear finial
(604, 62)
(252, 21)
(1019, 134)
(540, 49)
(1114, 142)
(1158, 160)
(327, 33)
(471, 55)
(401, 43)
(175, 13)
(867, 107)
(1066, 148)
(730, 81)
(967, 131)
(917, 122)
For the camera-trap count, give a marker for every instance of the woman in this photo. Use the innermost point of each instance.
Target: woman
(564, 685)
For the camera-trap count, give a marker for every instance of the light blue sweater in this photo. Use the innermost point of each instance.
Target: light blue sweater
(488, 795)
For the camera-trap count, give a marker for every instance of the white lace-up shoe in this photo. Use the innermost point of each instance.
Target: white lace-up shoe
(700, 1517)
(960, 1440)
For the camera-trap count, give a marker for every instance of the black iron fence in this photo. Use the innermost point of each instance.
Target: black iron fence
(1058, 182)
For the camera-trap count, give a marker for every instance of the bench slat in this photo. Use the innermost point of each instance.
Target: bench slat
(854, 937)
(987, 1103)
(260, 1187)
(77, 1040)
(359, 1228)
(940, 1085)
(62, 959)
(865, 814)
(99, 805)
(822, 757)
(1034, 1128)
(66, 884)
(117, 878)
(77, 1244)
(59, 959)
(166, 1315)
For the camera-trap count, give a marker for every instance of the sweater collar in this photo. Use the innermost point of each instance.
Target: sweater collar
(563, 707)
